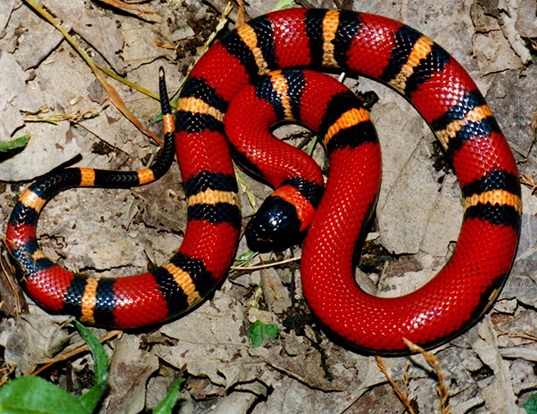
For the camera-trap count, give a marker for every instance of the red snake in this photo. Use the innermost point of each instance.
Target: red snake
(377, 47)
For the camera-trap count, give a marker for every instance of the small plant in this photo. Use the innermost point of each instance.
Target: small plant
(36, 395)
(259, 330)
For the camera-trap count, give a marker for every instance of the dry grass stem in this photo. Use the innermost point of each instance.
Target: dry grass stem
(442, 389)
(400, 394)
(266, 265)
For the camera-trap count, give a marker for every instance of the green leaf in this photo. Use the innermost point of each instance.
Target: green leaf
(284, 4)
(91, 398)
(531, 404)
(260, 330)
(168, 403)
(97, 351)
(244, 259)
(28, 395)
(245, 187)
(14, 143)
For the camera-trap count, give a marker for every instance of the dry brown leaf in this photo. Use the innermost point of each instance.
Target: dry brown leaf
(12, 300)
(110, 90)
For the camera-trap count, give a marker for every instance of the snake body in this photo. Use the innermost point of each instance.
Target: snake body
(377, 47)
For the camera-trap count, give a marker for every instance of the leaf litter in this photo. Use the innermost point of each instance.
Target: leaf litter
(489, 369)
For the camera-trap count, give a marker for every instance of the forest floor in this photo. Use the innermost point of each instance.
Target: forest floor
(50, 93)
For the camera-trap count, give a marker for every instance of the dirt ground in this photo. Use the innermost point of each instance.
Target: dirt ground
(50, 93)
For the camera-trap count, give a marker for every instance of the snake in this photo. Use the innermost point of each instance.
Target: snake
(260, 56)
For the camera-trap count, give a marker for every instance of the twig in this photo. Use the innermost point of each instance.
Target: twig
(133, 9)
(266, 265)
(43, 365)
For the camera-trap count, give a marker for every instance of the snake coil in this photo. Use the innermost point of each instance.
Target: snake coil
(377, 47)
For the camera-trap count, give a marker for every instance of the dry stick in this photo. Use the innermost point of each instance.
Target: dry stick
(266, 265)
(6, 372)
(525, 335)
(128, 83)
(112, 93)
(55, 118)
(66, 355)
(134, 9)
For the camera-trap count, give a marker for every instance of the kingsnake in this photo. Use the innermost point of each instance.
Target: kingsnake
(377, 47)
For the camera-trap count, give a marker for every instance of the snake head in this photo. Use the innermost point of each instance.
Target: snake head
(275, 226)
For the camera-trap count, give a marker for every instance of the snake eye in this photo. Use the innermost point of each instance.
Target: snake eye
(274, 227)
